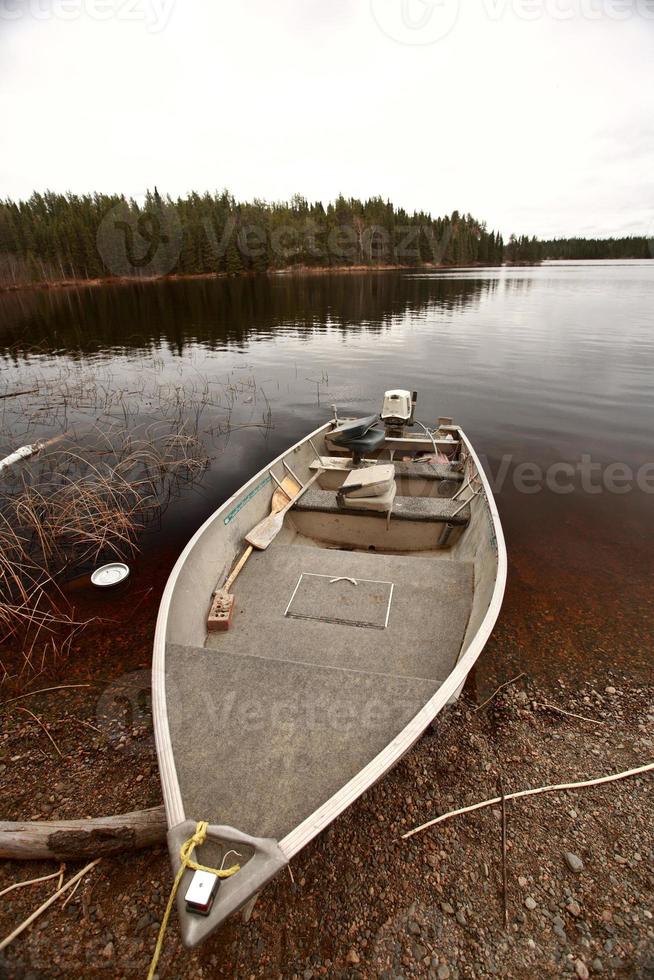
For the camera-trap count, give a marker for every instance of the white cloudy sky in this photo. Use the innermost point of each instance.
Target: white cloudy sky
(537, 121)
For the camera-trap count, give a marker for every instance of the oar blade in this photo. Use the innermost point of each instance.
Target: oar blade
(265, 533)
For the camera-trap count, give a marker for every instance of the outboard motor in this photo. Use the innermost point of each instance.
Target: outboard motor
(398, 410)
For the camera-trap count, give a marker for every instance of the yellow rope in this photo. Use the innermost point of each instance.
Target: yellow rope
(185, 852)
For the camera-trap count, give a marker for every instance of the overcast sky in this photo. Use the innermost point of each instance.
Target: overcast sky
(534, 120)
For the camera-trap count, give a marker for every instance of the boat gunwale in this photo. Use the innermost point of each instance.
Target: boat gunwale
(300, 836)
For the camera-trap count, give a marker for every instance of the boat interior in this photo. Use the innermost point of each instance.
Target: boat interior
(342, 629)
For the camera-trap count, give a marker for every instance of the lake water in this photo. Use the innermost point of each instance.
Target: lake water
(550, 371)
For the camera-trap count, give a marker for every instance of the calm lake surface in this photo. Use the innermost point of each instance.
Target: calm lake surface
(542, 366)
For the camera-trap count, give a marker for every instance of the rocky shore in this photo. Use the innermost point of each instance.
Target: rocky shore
(359, 901)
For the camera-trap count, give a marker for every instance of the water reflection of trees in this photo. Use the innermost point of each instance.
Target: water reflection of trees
(222, 312)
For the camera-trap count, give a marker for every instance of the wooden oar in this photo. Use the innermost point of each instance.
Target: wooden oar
(222, 602)
(261, 536)
(287, 490)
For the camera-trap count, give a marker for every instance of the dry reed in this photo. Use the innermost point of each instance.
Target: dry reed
(121, 451)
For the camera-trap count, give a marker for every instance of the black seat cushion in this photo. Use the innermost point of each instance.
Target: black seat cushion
(367, 443)
(353, 430)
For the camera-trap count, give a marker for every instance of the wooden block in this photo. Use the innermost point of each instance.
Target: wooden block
(220, 614)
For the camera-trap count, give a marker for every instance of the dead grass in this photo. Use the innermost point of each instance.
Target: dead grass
(118, 444)
(68, 510)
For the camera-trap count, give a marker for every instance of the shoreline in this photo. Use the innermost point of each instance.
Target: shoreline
(296, 270)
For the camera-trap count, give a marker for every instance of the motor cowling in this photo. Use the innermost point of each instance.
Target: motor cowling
(398, 408)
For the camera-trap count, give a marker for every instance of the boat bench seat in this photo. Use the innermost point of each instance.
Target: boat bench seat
(427, 471)
(416, 470)
(425, 509)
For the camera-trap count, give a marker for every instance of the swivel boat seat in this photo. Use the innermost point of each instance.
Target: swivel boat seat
(359, 437)
(370, 488)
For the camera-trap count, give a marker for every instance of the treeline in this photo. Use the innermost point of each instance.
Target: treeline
(632, 247)
(525, 251)
(53, 237)
(61, 237)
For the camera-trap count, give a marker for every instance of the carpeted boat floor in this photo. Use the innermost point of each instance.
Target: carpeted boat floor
(271, 718)
(428, 611)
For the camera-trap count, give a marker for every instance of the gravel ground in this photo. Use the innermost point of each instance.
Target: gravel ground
(360, 902)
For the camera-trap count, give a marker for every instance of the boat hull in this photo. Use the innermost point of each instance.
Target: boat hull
(436, 571)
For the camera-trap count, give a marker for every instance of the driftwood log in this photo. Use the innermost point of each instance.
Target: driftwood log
(78, 840)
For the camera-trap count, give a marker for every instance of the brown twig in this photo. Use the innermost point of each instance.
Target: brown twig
(72, 892)
(504, 876)
(87, 724)
(43, 727)
(570, 714)
(497, 691)
(30, 694)
(560, 787)
(53, 898)
(30, 881)
(142, 599)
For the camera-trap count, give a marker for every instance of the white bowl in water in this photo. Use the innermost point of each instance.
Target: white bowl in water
(109, 575)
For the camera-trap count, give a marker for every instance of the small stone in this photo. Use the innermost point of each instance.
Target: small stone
(352, 957)
(610, 690)
(460, 918)
(443, 971)
(108, 951)
(522, 881)
(597, 965)
(574, 863)
(574, 908)
(530, 903)
(581, 970)
(447, 908)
